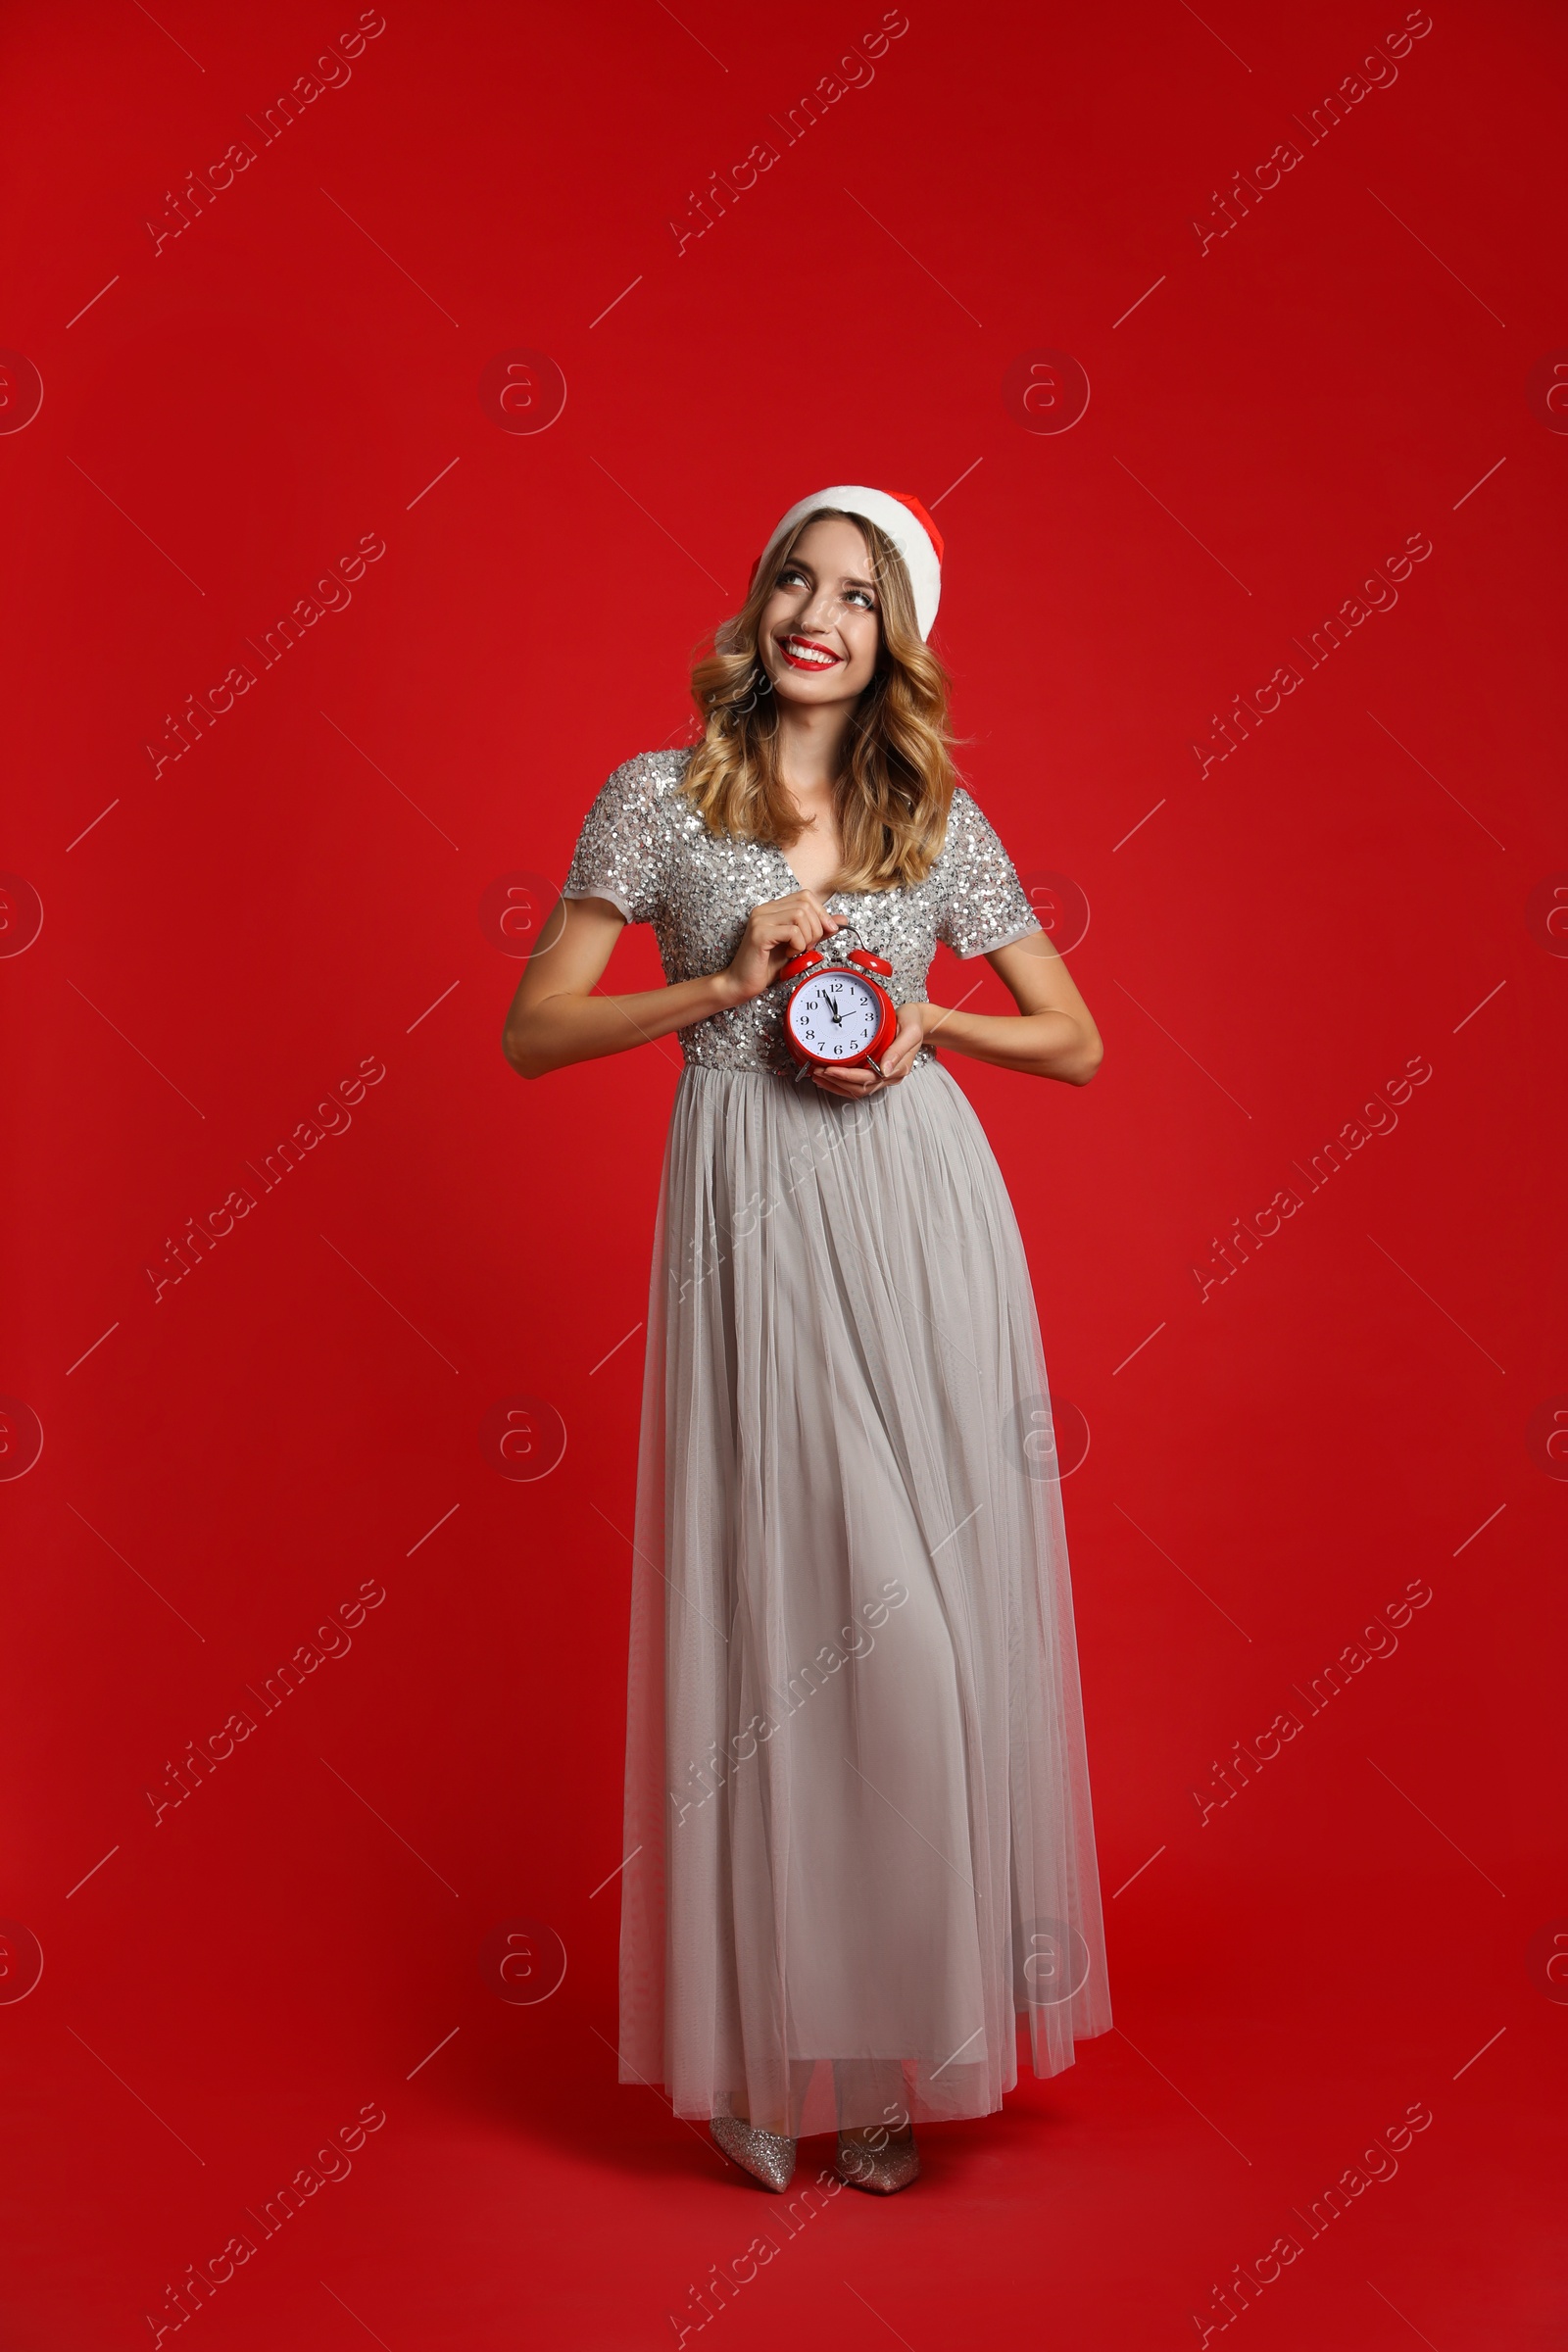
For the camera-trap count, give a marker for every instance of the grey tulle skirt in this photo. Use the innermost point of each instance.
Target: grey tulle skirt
(857, 1793)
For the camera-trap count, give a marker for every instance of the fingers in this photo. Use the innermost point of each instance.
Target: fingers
(806, 904)
(899, 1058)
(797, 922)
(788, 926)
(864, 1080)
(818, 907)
(822, 924)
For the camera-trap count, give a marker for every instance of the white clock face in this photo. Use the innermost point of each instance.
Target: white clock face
(835, 1015)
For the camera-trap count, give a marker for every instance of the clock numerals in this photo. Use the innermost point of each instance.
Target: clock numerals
(835, 1019)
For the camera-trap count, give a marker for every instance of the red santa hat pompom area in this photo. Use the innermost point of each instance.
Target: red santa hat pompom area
(905, 523)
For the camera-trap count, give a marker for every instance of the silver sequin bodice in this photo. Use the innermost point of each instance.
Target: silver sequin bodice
(645, 849)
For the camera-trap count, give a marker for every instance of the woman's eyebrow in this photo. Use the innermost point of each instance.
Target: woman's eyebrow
(848, 580)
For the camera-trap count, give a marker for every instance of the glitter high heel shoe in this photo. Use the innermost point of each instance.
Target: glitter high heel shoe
(882, 2170)
(769, 2159)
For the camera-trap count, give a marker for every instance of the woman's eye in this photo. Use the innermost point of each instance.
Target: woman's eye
(792, 576)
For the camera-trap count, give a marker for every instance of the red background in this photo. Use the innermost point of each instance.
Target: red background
(231, 413)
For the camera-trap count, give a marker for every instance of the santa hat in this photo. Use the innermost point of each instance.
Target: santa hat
(905, 523)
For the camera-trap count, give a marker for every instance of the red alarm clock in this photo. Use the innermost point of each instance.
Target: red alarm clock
(838, 1016)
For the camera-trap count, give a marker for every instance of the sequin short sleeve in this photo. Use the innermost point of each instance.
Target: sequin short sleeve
(620, 852)
(982, 902)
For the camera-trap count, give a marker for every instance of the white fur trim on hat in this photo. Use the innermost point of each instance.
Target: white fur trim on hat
(910, 533)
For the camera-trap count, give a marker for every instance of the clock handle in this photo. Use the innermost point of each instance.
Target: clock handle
(866, 957)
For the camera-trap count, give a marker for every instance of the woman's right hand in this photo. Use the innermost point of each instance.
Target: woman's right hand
(774, 932)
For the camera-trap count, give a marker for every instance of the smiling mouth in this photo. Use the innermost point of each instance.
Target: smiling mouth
(804, 653)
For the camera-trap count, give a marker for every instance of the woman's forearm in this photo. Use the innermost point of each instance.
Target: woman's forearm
(1041, 1045)
(570, 1027)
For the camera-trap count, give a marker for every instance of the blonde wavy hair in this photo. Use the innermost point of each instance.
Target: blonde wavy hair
(893, 791)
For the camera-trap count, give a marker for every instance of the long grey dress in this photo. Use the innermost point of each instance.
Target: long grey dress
(857, 1793)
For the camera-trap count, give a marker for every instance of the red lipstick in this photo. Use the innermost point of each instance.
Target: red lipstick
(806, 654)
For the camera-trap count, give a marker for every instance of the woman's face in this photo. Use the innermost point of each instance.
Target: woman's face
(821, 628)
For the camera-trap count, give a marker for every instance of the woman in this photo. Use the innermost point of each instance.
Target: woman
(857, 1814)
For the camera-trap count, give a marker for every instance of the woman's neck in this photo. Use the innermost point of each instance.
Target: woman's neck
(810, 745)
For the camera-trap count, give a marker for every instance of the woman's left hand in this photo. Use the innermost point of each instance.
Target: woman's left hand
(896, 1061)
